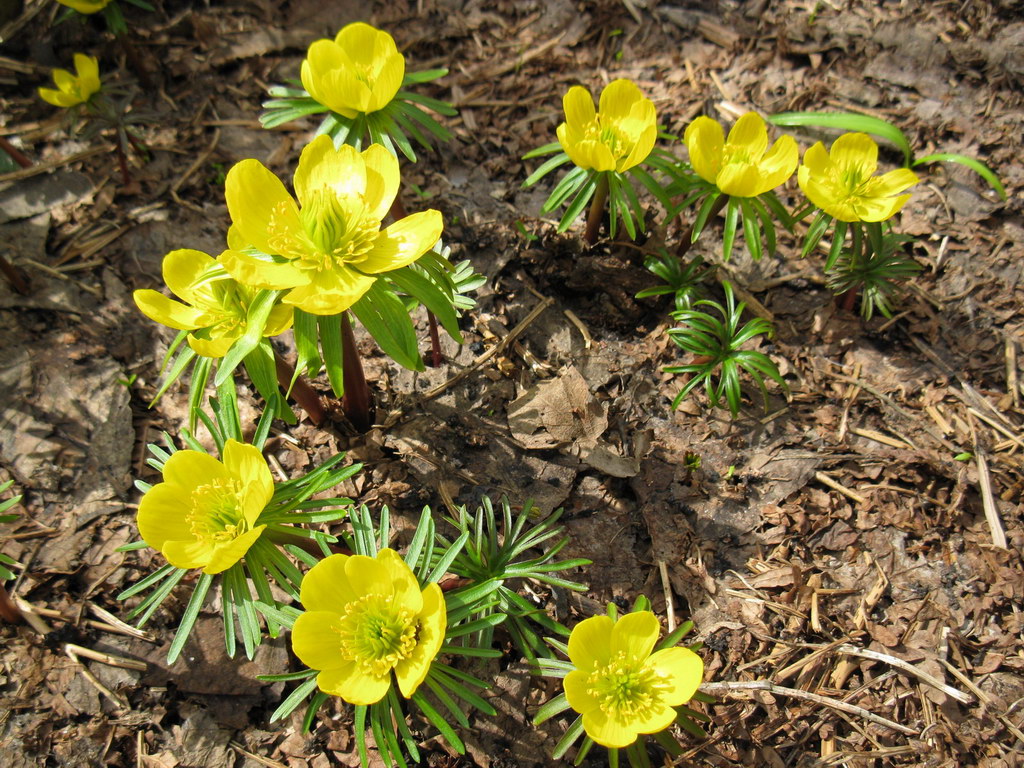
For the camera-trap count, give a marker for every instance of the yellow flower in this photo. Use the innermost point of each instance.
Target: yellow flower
(360, 71)
(215, 304)
(743, 166)
(619, 686)
(365, 617)
(330, 244)
(616, 137)
(86, 6)
(841, 181)
(74, 89)
(204, 513)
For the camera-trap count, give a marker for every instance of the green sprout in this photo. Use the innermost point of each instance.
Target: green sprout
(716, 347)
(682, 278)
(872, 272)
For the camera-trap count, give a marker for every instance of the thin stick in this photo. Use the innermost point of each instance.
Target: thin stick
(106, 658)
(488, 354)
(16, 154)
(909, 668)
(50, 165)
(842, 706)
(824, 479)
(988, 501)
(666, 588)
(117, 700)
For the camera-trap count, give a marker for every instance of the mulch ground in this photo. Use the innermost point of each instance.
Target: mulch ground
(842, 565)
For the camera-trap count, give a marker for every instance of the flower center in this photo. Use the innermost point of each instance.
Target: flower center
(626, 689)
(337, 231)
(611, 136)
(377, 634)
(224, 302)
(215, 511)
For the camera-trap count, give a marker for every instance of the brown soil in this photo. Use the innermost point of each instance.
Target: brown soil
(833, 547)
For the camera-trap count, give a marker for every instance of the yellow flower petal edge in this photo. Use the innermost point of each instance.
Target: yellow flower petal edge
(359, 72)
(842, 183)
(204, 513)
(366, 618)
(328, 245)
(617, 136)
(214, 305)
(620, 685)
(86, 6)
(77, 88)
(742, 165)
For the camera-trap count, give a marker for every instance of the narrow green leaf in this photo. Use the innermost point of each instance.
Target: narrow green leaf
(188, 619)
(384, 317)
(975, 165)
(849, 121)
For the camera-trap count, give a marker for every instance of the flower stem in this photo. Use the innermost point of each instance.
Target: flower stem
(122, 161)
(596, 210)
(302, 392)
(356, 400)
(9, 610)
(850, 299)
(687, 236)
(16, 154)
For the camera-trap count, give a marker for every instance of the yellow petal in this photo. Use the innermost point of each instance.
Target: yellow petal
(330, 292)
(590, 642)
(165, 311)
(184, 269)
(280, 320)
(88, 70)
(403, 242)
(779, 162)
(578, 693)
(57, 98)
(246, 463)
(326, 587)
(383, 179)
(617, 100)
(750, 135)
(353, 684)
(635, 635)
(341, 170)
(740, 180)
(190, 469)
(226, 554)
(891, 183)
(578, 106)
(411, 672)
(659, 717)
(347, 94)
(645, 140)
(608, 730)
(236, 242)
(388, 81)
(705, 140)
(571, 147)
(316, 639)
(256, 200)
(406, 589)
(213, 348)
(855, 152)
(681, 669)
(367, 576)
(257, 272)
(187, 553)
(65, 81)
(161, 515)
(362, 37)
(878, 209)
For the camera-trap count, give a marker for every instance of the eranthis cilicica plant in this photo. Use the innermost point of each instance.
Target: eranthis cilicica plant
(606, 145)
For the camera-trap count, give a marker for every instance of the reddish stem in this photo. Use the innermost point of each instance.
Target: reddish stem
(436, 358)
(122, 162)
(596, 214)
(9, 610)
(303, 394)
(15, 153)
(14, 277)
(850, 299)
(356, 401)
(687, 238)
